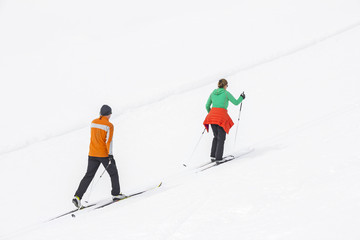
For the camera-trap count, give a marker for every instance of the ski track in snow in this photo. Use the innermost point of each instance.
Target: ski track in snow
(297, 49)
(206, 81)
(309, 124)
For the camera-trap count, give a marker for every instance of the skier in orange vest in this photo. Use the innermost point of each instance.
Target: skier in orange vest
(101, 145)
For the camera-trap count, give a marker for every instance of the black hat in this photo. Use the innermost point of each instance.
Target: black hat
(105, 110)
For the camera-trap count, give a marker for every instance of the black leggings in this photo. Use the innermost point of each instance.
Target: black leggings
(93, 165)
(217, 148)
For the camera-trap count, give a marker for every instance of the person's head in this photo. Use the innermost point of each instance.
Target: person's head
(223, 83)
(105, 111)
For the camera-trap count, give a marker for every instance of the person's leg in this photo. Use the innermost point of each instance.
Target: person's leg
(221, 136)
(93, 166)
(113, 172)
(214, 128)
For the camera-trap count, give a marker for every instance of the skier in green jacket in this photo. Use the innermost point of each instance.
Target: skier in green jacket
(220, 97)
(219, 118)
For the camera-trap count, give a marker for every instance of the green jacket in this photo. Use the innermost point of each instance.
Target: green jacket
(219, 98)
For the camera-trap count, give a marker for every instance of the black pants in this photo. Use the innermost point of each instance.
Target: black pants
(217, 148)
(93, 165)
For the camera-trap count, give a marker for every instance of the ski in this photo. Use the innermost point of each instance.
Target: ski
(226, 159)
(100, 204)
(72, 211)
(129, 196)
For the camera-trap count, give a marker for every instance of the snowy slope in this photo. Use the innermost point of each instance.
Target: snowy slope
(56, 56)
(301, 115)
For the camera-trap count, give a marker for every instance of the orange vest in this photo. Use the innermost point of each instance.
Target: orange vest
(101, 138)
(220, 117)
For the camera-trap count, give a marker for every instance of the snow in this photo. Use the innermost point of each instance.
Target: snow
(156, 63)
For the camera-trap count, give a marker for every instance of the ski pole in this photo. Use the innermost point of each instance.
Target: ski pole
(238, 123)
(105, 169)
(93, 185)
(195, 147)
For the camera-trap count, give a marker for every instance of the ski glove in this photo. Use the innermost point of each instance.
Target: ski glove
(243, 95)
(111, 159)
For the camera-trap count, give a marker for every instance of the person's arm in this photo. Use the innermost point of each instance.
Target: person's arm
(109, 140)
(233, 100)
(208, 104)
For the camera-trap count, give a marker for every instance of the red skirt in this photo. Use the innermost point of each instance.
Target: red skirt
(220, 117)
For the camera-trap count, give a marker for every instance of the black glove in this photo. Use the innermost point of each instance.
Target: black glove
(243, 95)
(111, 158)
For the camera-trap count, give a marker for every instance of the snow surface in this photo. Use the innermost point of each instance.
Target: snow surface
(155, 63)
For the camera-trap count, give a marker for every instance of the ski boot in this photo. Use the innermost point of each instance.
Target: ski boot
(77, 202)
(119, 197)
